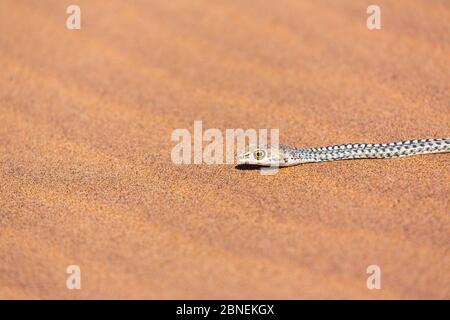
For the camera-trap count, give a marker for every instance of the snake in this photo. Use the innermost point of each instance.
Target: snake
(283, 156)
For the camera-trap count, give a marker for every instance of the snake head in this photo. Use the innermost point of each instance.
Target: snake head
(261, 155)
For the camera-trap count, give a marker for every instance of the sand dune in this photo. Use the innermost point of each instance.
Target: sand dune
(85, 140)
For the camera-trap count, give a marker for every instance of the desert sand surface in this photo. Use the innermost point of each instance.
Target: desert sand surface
(86, 178)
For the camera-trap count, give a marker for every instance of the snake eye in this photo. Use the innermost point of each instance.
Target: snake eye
(259, 154)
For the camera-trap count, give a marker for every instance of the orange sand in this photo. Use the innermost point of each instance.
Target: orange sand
(86, 177)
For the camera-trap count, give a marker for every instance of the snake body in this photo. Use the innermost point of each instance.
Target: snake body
(287, 156)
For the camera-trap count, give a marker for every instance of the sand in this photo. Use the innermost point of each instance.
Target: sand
(86, 176)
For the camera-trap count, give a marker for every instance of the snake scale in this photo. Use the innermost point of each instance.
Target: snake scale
(266, 155)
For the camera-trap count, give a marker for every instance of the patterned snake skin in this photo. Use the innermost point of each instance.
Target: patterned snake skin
(288, 156)
(367, 150)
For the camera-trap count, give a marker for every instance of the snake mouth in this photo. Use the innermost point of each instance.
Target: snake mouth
(241, 159)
